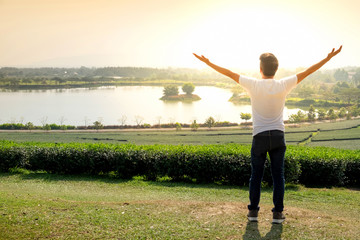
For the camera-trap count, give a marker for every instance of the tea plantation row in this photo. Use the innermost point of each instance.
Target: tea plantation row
(226, 164)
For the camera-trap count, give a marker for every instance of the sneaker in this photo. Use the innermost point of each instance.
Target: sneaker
(278, 217)
(253, 215)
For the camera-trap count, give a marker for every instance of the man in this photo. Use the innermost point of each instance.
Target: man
(267, 101)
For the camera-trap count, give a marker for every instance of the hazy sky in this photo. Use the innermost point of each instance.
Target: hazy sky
(163, 33)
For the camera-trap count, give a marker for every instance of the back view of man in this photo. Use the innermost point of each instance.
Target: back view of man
(267, 102)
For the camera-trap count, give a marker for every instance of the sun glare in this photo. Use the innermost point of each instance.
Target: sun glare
(236, 38)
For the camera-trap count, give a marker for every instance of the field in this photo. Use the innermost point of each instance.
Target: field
(38, 205)
(331, 134)
(45, 206)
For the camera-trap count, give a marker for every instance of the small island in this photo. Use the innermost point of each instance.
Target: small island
(171, 93)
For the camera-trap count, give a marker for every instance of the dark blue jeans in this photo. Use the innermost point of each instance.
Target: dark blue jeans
(272, 142)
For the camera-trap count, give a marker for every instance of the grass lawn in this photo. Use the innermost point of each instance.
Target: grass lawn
(44, 206)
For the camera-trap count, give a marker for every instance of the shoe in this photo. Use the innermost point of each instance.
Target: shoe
(278, 217)
(253, 215)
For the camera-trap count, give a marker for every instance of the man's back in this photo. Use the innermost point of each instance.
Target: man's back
(268, 101)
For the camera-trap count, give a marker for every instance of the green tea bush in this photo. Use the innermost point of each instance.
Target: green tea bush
(226, 164)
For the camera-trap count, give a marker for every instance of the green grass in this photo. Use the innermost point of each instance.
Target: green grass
(343, 144)
(41, 206)
(340, 134)
(294, 135)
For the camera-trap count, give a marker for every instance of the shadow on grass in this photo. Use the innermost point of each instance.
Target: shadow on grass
(252, 231)
(162, 182)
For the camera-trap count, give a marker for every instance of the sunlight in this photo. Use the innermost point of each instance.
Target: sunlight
(236, 38)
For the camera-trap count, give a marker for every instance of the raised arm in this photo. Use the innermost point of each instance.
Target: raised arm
(315, 67)
(224, 71)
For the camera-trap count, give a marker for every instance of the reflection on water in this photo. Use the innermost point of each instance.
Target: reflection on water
(82, 106)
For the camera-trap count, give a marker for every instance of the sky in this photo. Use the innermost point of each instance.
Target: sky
(165, 33)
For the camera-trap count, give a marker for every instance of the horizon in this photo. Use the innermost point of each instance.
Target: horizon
(164, 34)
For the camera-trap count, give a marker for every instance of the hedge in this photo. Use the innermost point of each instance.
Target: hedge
(226, 164)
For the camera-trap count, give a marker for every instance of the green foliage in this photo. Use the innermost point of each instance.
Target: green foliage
(194, 126)
(311, 113)
(210, 122)
(321, 114)
(170, 90)
(245, 116)
(47, 127)
(331, 114)
(178, 126)
(341, 75)
(98, 125)
(206, 163)
(188, 88)
(296, 118)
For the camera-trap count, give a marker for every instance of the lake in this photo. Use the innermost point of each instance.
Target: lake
(83, 106)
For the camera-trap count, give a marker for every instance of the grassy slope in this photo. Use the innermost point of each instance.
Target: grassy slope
(42, 206)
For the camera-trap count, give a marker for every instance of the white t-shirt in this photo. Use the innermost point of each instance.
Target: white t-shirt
(267, 101)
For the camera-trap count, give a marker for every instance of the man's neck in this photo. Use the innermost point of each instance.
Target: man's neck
(266, 77)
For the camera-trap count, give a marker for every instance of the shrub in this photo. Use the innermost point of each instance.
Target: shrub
(227, 164)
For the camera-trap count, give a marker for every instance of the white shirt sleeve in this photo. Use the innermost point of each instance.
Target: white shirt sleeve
(246, 82)
(290, 82)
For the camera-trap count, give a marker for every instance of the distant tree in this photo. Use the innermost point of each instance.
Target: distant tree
(98, 125)
(342, 113)
(139, 120)
(178, 126)
(298, 117)
(47, 127)
(210, 122)
(29, 126)
(354, 110)
(188, 88)
(170, 90)
(349, 94)
(122, 120)
(245, 116)
(194, 126)
(321, 114)
(311, 113)
(331, 114)
(341, 75)
(356, 77)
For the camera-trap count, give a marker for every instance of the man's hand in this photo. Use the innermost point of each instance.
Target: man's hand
(315, 67)
(202, 58)
(333, 52)
(221, 70)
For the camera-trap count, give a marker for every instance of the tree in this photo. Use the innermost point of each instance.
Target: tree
(299, 117)
(311, 113)
(210, 122)
(47, 127)
(194, 126)
(321, 114)
(342, 112)
(331, 114)
(170, 90)
(29, 126)
(245, 116)
(122, 120)
(188, 88)
(341, 75)
(139, 120)
(356, 77)
(98, 125)
(178, 126)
